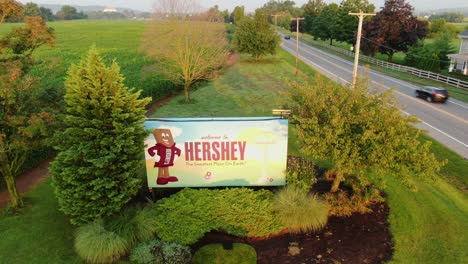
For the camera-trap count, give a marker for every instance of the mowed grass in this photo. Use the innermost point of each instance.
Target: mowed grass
(428, 225)
(457, 93)
(115, 40)
(248, 88)
(40, 233)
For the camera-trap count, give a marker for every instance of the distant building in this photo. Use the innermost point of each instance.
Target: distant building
(459, 62)
(109, 10)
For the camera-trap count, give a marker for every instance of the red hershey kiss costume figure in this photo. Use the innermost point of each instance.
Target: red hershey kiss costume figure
(166, 150)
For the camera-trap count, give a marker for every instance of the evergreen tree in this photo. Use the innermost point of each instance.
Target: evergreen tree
(255, 36)
(96, 170)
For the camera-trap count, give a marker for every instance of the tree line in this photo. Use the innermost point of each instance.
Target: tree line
(31, 9)
(395, 28)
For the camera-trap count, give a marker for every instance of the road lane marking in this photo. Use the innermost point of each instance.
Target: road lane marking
(389, 78)
(429, 125)
(396, 91)
(438, 130)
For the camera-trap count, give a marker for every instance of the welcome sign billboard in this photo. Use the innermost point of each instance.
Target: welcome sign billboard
(203, 152)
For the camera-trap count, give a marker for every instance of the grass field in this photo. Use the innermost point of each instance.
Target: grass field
(457, 93)
(115, 40)
(429, 226)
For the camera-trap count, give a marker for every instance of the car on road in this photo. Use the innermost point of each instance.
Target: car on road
(433, 94)
(287, 37)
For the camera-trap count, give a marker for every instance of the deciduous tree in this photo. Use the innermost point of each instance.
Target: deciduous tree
(312, 10)
(176, 9)
(23, 121)
(10, 8)
(359, 130)
(237, 14)
(31, 9)
(326, 24)
(347, 25)
(394, 28)
(188, 51)
(256, 36)
(69, 13)
(96, 170)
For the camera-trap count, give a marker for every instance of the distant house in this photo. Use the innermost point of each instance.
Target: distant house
(109, 10)
(459, 62)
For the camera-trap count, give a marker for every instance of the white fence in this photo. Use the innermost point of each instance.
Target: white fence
(396, 67)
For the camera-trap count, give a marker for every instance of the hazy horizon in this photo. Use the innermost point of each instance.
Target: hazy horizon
(250, 6)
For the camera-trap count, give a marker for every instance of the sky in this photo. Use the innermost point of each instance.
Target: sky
(250, 6)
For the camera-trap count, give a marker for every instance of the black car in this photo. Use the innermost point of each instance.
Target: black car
(287, 37)
(433, 94)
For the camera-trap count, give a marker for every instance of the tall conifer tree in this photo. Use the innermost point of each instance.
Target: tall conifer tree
(96, 170)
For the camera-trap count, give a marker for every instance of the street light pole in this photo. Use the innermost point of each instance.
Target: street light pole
(297, 41)
(358, 42)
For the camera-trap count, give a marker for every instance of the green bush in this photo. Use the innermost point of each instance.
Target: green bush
(188, 215)
(299, 211)
(95, 244)
(300, 173)
(215, 254)
(157, 251)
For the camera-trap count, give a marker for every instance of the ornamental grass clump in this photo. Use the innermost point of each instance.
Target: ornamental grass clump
(108, 239)
(299, 211)
(95, 244)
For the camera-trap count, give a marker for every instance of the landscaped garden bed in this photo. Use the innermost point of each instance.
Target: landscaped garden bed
(360, 238)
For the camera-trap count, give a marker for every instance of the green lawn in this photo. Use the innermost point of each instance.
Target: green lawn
(119, 40)
(429, 226)
(40, 233)
(457, 93)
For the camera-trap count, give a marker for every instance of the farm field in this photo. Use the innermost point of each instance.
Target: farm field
(427, 224)
(115, 40)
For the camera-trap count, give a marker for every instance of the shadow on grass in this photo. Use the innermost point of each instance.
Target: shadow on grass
(265, 60)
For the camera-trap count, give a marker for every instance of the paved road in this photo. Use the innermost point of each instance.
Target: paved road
(448, 123)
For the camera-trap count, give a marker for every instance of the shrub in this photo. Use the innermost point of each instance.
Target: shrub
(344, 204)
(95, 244)
(358, 131)
(299, 211)
(100, 147)
(188, 215)
(108, 239)
(157, 251)
(215, 254)
(300, 173)
(245, 212)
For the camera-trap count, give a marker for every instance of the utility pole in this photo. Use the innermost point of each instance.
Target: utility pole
(276, 18)
(358, 42)
(297, 41)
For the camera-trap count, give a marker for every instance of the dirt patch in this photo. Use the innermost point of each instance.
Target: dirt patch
(27, 181)
(360, 238)
(232, 59)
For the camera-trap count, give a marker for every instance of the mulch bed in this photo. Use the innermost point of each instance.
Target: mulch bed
(360, 238)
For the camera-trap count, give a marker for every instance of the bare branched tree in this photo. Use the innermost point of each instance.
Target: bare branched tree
(187, 51)
(176, 9)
